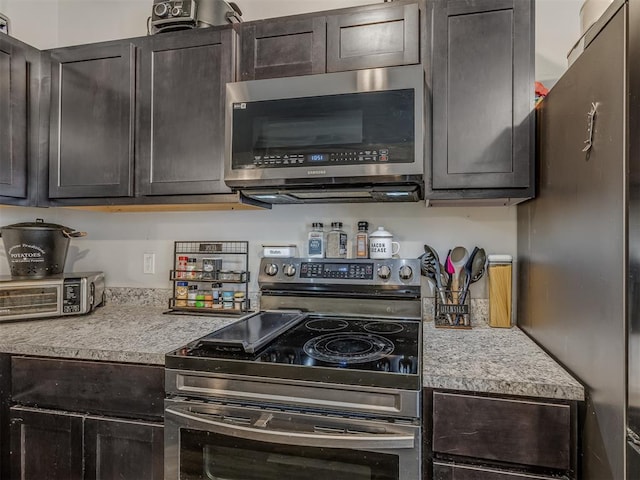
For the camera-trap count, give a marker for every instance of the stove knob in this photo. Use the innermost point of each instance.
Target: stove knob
(161, 9)
(271, 269)
(384, 272)
(406, 272)
(289, 270)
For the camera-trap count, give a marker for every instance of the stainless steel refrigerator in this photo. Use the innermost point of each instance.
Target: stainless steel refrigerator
(579, 240)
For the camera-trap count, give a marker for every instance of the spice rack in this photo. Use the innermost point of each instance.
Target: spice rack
(218, 273)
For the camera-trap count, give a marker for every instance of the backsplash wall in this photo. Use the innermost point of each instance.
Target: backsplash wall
(116, 242)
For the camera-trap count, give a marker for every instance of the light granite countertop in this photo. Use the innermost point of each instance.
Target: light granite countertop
(484, 359)
(493, 360)
(117, 333)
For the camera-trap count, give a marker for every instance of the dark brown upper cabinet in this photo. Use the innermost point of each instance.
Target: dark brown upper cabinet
(483, 93)
(282, 48)
(141, 121)
(13, 119)
(91, 121)
(382, 37)
(180, 108)
(349, 39)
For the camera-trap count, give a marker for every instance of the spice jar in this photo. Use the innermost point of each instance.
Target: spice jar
(200, 299)
(182, 292)
(336, 241)
(191, 296)
(238, 300)
(316, 241)
(227, 299)
(362, 240)
(215, 291)
(191, 268)
(182, 267)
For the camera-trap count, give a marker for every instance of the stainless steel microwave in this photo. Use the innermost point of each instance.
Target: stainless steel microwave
(335, 137)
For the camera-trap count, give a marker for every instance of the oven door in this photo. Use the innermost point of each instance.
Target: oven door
(223, 442)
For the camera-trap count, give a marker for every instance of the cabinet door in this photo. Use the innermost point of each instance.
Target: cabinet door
(451, 471)
(483, 92)
(380, 37)
(123, 450)
(91, 139)
(496, 429)
(181, 93)
(45, 444)
(282, 48)
(13, 119)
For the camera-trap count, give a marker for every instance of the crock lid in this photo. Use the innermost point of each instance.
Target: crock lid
(39, 224)
(381, 233)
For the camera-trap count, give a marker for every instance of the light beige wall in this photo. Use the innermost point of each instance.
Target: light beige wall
(116, 242)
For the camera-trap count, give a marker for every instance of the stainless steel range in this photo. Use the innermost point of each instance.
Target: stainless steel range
(324, 382)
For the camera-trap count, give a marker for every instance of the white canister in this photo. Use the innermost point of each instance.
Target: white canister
(381, 244)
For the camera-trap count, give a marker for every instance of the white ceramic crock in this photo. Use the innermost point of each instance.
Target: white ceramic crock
(381, 244)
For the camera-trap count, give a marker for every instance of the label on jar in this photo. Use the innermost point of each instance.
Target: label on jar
(343, 245)
(316, 247)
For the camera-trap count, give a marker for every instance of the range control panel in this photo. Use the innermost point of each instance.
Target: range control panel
(326, 271)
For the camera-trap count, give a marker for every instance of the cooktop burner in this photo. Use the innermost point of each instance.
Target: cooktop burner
(383, 327)
(326, 325)
(348, 347)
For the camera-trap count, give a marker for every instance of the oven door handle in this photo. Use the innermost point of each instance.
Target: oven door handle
(358, 441)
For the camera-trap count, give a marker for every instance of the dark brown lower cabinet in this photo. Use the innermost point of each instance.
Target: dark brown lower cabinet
(490, 437)
(452, 471)
(122, 449)
(85, 420)
(46, 444)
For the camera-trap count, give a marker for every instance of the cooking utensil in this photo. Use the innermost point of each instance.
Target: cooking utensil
(37, 249)
(450, 269)
(465, 279)
(458, 257)
(431, 268)
(478, 265)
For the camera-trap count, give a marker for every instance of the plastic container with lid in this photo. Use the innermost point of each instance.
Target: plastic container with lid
(500, 290)
(336, 242)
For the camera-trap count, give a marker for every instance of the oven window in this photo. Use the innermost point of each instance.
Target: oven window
(205, 455)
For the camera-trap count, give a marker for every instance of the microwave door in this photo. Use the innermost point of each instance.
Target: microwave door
(328, 127)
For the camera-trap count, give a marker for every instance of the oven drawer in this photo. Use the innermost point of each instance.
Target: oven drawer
(114, 389)
(514, 431)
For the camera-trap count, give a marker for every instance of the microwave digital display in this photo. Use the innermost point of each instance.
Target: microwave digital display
(317, 157)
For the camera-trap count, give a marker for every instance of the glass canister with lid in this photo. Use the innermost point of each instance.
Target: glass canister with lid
(336, 242)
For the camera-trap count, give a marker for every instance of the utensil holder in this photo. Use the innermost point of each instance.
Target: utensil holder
(449, 313)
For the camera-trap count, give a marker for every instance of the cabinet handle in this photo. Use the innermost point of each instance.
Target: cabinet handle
(591, 116)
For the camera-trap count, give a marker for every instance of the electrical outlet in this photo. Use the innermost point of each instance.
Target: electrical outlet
(149, 263)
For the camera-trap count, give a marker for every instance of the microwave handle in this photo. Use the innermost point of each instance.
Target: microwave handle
(347, 440)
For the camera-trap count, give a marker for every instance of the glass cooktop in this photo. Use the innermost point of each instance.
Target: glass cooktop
(306, 340)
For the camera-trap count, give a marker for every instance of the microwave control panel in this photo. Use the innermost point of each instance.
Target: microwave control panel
(355, 157)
